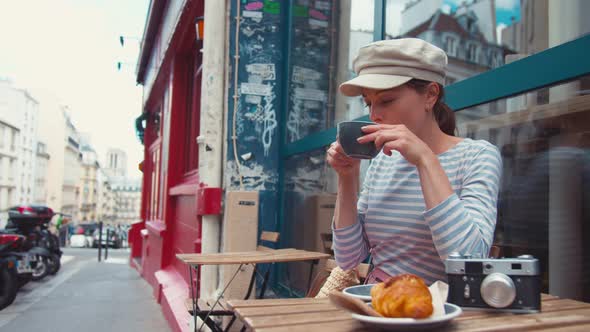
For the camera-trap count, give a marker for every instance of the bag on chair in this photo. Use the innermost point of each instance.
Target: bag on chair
(338, 280)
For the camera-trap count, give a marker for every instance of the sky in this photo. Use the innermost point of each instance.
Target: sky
(69, 49)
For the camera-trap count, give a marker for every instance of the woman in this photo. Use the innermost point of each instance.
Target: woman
(427, 193)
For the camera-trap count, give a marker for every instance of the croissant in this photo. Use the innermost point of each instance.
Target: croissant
(400, 296)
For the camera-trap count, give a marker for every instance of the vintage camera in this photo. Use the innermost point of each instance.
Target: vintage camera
(503, 284)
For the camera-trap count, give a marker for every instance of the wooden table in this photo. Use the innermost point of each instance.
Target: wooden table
(251, 257)
(194, 261)
(309, 314)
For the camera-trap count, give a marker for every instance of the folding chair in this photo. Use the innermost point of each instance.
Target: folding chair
(204, 307)
(272, 237)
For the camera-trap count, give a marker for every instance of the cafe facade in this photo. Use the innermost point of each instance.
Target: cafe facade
(241, 101)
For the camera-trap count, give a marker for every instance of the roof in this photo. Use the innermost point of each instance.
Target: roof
(444, 22)
(150, 31)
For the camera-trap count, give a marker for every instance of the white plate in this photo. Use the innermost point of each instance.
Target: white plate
(410, 324)
(362, 292)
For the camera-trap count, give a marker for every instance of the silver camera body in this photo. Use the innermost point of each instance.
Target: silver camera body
(503, 284)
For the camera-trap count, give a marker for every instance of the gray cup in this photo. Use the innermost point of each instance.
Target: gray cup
(348, 132)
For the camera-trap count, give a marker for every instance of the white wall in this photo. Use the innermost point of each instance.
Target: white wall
(41, 166)
(52, 132)
(19, 109)
(8, 161)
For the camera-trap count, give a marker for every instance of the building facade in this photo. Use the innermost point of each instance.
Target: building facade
(72, 170)
(20, 108)
(127, 196)
(116, 163)
(41, 174)
(8, 161)
(122, 196)
(65, 164)
(259, 122)
(106, 198)
(89, 186)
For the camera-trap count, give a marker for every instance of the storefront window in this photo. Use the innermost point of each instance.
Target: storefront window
(307, 212)
(479, 35)
(325, 37)
(542, 135)
(543, 206)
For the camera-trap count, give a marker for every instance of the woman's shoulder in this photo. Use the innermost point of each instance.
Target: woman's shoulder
(477, 147)
(477, 151)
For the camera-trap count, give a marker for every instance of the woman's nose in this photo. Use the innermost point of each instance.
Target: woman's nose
(374, 116)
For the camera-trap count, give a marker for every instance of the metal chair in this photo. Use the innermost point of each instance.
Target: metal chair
(207, 310)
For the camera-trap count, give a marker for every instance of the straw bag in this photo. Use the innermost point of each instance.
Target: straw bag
(338, 280)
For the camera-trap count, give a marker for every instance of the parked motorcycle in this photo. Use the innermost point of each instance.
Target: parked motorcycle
(15, 267)
(33, 221)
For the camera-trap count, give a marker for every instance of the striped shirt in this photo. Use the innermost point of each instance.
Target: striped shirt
(407, 238)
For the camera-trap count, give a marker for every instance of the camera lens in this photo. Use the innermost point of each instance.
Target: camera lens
(498, 290)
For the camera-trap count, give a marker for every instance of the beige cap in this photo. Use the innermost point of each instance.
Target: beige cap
(386, 64)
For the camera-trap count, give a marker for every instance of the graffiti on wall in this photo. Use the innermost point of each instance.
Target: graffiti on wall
(254, 176)
(259, 95)
(255, 102)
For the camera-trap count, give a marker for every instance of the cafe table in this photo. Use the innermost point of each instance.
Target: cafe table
(195, 261)
(310, 314)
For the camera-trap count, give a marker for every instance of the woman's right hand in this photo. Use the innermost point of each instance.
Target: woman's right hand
(340, 162)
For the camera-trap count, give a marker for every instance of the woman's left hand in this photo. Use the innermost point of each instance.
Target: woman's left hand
(399, 138)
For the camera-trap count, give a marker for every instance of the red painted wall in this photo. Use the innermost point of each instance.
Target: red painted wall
(175, 228)
(187, 232)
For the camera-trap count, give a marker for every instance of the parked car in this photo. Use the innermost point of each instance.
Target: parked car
(79, 241)
(114, 239)
(88, 230)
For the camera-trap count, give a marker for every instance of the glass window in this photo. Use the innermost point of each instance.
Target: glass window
(479, 35)
(357, 28)
(308, 210)
(450, 44)
(543, 206)
(326, 36)
(193, 86)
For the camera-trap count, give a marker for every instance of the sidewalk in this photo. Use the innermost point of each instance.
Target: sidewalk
(86, 296)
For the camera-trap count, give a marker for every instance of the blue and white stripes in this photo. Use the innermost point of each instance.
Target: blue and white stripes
(407, 239)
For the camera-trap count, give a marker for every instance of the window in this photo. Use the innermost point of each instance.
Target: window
(471, 52)
(543, 204)
(13, 141)
(193, 93)
(153, 178)
(450, 45)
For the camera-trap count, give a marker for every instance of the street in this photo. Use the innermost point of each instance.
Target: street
(88, 296)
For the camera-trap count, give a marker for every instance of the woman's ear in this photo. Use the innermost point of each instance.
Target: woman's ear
(432, 93)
